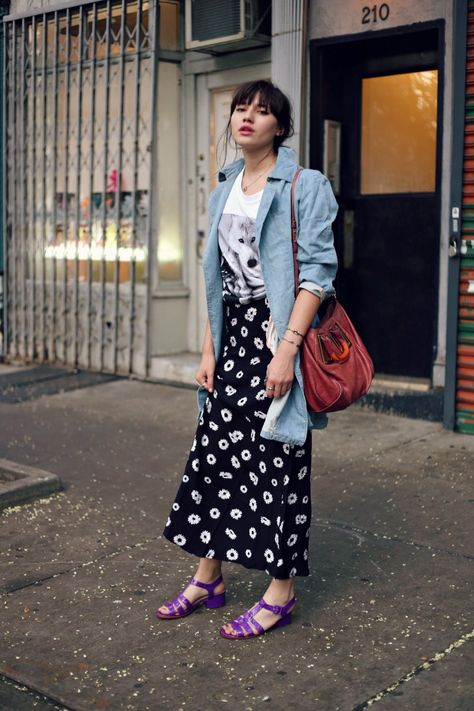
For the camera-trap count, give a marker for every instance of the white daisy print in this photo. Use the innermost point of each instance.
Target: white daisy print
(245, 454)
(269, 557)
(226, 414)
(244, 331)
(185, 478)
(292, 498)
(236, 513)
(305, 554)
(223, 443)
(208, 480)
(179, 539)
(243, 489)
(241, 401)
(175, 506)
(280, 562)
(193, 446)
(264, 325)
(214, 513)
(253, 478)
(299, 453)
(168, 521)
(292, 539)
(252, 532)
(258, 343)
(232, 554)
(196, 496)
(261, 447)
(205, 536)
(233, 322)
(225, 475)
(233, 342)
(251, 313)
(224, 494)
(292, 572)
(248, 552)
(194, 519)
(263, 467)
(286, 448)
(304, 499)
(267, 497)
(266, 521)
(210, 553)
(213, 425)
(235, 462)
(195, 465)
(260, 395)
(211, 459)
(278, 462)
(232, 534)
(239, 374)
(236, 436)
(302, 472)
(229, 390)
(241, 351)
(255, 381)
(228, 365)
(286, 480)
(252, 435)
(253, 504)
(274, 482)
(259, 413)
(254, 360)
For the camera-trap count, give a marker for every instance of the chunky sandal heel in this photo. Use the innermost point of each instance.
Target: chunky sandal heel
(215, 601)
(242, 624)
(180, 606)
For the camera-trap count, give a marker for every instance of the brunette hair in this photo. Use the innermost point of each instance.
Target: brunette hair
(273, 99)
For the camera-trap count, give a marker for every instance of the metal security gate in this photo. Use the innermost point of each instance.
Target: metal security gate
(465, 350)
(80, 90)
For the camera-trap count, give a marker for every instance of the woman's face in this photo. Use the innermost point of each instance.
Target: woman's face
(253, 126)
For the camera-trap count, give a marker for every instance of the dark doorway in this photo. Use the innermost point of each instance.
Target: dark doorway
(382, 94)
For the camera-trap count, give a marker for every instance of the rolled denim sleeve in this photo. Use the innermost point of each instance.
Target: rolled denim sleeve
(317, 210)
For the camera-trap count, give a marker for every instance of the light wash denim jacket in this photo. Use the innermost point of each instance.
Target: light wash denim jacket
(287, 418)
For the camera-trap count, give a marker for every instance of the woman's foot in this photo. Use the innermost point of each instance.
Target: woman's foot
(279, 592)
(208, 570)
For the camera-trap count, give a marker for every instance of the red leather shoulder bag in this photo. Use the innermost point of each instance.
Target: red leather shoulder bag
(336, 367)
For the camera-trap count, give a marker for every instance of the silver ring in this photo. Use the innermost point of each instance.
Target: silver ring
(270, 387)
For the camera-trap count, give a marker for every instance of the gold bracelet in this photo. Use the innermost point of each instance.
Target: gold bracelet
(294, 342)
(293, 330)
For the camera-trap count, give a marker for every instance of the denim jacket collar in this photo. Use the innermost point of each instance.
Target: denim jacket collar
(284, 168)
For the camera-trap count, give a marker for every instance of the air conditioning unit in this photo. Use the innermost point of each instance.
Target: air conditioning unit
(219, 26)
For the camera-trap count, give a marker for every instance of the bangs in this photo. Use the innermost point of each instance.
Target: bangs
(246, 93)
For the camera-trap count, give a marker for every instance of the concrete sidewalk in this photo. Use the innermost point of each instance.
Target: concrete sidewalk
(385, 618)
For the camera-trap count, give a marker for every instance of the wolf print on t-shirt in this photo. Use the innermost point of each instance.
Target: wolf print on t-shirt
(240, 260)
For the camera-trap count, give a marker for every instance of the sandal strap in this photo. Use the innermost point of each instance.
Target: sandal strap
(187, 604)
(207, 586)
(277, 609)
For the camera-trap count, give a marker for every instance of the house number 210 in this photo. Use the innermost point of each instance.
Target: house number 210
(375, 13)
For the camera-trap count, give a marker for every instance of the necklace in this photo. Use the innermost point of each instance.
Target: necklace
(244, 189)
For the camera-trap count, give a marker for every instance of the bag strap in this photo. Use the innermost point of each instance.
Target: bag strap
(293, 229)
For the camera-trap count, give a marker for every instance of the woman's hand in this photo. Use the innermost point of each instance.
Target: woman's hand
(205, 372)
(281, 370)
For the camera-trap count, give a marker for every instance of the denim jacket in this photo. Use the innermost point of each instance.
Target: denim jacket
(288, 419)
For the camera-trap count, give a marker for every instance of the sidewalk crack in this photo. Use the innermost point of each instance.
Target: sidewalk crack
(439, 656)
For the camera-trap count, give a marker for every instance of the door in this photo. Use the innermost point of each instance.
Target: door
(213, 99)
(387, 231)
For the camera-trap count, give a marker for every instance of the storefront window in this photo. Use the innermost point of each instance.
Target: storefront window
(398, 136)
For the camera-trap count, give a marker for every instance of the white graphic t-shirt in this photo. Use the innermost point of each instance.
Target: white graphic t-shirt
(239, 257)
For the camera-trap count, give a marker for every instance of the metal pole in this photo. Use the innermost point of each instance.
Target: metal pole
(92, 69)
(66, 183)
(460, 8)
(32, 142)
(78, 185)
(54, 169)
(151, 257)
(118, 221)
(103, 263)
(44, 348)
(136, 123)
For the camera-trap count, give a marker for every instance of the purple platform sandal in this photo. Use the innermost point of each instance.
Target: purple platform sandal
(244, 630)
(176, 610)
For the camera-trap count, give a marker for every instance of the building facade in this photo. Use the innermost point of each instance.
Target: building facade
(114, 116)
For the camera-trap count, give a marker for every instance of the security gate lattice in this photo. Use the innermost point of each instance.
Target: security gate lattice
(80, 88)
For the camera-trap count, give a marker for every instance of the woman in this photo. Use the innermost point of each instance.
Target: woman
(245, 494)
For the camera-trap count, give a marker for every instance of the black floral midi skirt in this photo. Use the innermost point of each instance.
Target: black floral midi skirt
(243, 498)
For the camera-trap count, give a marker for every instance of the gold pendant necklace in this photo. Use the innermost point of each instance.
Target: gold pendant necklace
(244, 189)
